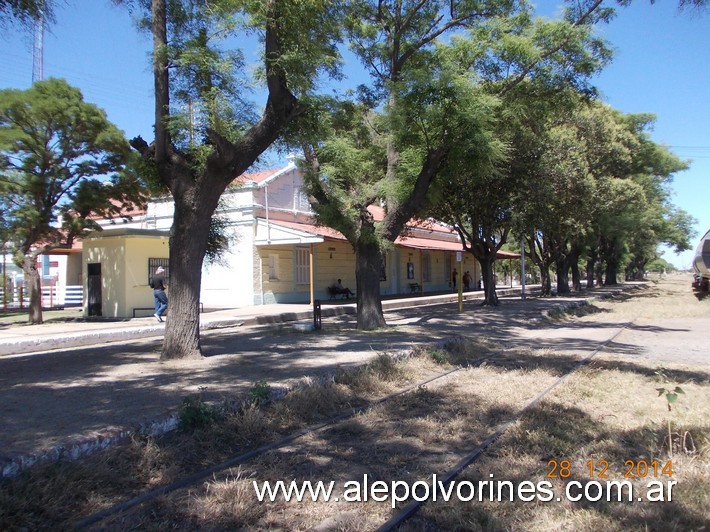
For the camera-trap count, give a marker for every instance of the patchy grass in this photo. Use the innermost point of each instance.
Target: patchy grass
(611, 421)
(670, 297)
(18, 318)
(608, 412)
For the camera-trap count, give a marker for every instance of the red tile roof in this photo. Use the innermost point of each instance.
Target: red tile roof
(406, 241)
(256, 177)
(417, 242)
(319, 230)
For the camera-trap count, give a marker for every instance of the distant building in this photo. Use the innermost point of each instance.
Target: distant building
(278, 254)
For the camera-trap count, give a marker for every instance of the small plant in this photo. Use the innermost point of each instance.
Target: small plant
(260, 392)
(195, 413)
(554, 313)
(423, 394)
(439, 356)
(671, 398)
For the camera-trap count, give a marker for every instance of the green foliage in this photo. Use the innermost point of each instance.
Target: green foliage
(56, 153)
(312, 31)
(60, 157)
(260, 392)
(671, 394)
(660, 265)
(595, 185)
(218, 240)
(195, 414)
(439, 356)
(25, 12)
(211, 82)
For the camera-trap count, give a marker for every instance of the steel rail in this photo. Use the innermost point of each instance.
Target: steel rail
(413, 507)
(245, 457)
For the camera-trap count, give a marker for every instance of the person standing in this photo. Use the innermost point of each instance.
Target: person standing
(454, 275)
(467, 281)
(160, 299)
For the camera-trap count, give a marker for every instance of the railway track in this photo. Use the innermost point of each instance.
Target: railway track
(292, 439)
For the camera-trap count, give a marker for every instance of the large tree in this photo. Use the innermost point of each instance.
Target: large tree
(637, 209)
(597, 188)
(59, 158)
(421, 116)
(534, 67)
(197, 160)
(400, 133)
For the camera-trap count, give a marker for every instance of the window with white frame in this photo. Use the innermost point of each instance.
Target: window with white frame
(302, 266)
(426, 267)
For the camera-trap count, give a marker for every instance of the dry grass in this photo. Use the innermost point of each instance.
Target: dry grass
(601, 414)
(608, 410)
(670, 297)
(19, 318)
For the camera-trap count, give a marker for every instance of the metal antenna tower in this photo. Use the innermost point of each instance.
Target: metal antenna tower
(38, 49)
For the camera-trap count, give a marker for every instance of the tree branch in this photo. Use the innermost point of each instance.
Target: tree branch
(397, 218)
(526, 70)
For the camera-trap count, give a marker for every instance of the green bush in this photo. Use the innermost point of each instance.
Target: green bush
(260, 392)
(439, 356)
(195, 414)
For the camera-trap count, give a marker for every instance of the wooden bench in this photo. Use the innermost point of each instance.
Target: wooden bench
(414, 288)
(334, 292)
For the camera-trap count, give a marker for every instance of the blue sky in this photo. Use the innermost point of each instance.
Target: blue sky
(661, 66)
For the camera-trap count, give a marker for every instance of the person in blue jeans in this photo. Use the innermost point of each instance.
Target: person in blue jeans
(159, 297)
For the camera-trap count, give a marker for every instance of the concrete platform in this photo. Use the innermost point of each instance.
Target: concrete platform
(64, 335)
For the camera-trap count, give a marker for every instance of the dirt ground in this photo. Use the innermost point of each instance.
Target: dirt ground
(50, 399)
(607, 411)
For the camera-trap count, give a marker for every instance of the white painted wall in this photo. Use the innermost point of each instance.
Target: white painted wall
(229, 284)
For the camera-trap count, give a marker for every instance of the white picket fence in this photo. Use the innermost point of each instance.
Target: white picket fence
(52, 297)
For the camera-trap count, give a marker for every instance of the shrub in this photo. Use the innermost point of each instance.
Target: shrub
(195, 413)
(260, 392)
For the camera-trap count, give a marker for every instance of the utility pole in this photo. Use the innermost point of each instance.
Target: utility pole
(38, 48)
(522, 268)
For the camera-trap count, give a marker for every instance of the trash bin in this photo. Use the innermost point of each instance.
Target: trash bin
(316, 314)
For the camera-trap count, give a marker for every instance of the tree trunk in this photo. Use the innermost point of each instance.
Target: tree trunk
(590, 271)
(368, 265)
(562, 276)
(635, 270)
(489, 285)
(34, 287)
(641, 270)
(611, 273)
(542, 261)
(576, 276)
(573, 265)
(188, 241)
(599, 271)
(545, 280)
(610, 251)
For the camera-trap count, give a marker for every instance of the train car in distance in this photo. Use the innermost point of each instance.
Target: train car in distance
(701, 266)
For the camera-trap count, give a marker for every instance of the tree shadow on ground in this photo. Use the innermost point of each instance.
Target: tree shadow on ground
(533, 450)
